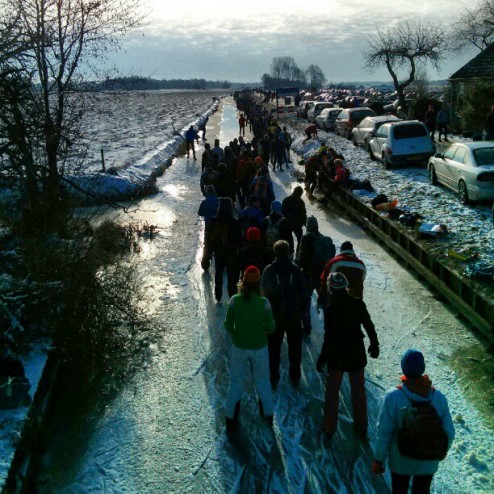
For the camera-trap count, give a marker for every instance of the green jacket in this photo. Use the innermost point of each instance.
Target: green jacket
(249, 321)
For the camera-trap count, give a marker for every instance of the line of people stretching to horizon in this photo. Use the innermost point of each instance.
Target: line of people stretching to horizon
(270, 281)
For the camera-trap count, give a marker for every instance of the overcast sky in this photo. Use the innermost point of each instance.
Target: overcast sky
(225, 39)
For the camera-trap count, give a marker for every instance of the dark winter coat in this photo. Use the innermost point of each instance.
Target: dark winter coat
(305, 259)
(343, 348)
(283, 285)
(285, 230)
(223, 238)
(208, 208)
(293, 208)
(254, 254)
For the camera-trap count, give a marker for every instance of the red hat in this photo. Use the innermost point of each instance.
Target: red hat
(258, 160)
(251, 275)
(253, 234)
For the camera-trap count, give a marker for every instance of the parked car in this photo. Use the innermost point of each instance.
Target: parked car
(314, 111)
(361, 133)
(350, 118)
(401, 143)
(467, 168)
(325, 119)
(302, 108)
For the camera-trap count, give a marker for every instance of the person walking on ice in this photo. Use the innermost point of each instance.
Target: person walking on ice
(190, 137)
(414, 429)
(249, 320)
(343, 351)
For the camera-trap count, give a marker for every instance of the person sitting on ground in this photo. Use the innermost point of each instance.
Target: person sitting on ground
(190, 137)
(310, 132)
(249, 320)
(343, 351)
(415, 390)
(342, 174)
(293, 209)
(283, 285)
(276, 227)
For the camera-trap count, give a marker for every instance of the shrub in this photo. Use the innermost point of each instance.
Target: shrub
(475, 105)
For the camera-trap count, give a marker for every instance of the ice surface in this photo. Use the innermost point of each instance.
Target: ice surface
(164, 432)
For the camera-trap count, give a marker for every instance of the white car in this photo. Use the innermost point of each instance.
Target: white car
(325, 119)
(467, 168)
(361, 133)
(314, 111)
(401, 143)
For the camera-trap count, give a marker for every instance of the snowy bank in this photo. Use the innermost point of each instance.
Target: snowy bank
(136, 179)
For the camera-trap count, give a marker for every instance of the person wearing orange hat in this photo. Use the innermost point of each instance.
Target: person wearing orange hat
(249, 319)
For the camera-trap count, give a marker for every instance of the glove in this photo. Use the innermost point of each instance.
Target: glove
(373, 350)
(378, 467)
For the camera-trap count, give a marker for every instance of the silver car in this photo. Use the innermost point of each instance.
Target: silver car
(315, 111)
(467, 168)
(325, 119)
(361, 134)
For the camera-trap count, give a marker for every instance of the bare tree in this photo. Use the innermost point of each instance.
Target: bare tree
(51, 44)
(474, 27)
(315, 76)
(401, 49)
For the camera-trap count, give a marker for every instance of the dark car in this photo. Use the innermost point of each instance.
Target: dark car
(350, 118)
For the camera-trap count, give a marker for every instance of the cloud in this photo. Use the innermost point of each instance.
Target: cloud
(241, 48)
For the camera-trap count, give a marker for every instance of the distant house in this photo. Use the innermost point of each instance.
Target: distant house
(480, 68)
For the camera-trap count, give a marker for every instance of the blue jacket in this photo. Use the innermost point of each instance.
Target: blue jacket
(208, 208)
(191, 135)
(390, 419)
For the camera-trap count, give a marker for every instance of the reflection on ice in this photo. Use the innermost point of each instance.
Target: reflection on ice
(176, 191)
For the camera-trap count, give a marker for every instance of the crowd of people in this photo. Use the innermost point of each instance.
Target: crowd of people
(272, 269)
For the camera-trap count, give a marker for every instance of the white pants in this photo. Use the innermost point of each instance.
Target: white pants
(240, 360)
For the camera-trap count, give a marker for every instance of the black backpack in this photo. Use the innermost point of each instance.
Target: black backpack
(422, 435)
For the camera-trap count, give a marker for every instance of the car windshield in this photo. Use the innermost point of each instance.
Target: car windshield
(361, 114)
(409, 131)
(484, 156)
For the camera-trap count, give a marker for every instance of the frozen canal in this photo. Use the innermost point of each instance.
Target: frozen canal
(164, 431)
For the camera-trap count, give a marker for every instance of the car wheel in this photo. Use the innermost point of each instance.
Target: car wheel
(371, 154)
(349, 134)
(387, 164)
(432, 175)
(355, 143)
(463, 192)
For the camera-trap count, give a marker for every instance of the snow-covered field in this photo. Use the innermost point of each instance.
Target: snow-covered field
(164, 431)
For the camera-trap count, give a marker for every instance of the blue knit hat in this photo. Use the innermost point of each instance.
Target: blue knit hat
(412, 363)
(276, 207)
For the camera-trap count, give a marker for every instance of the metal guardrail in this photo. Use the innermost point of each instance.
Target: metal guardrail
(463, 293)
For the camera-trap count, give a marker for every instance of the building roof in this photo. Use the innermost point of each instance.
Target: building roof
(482, 66)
